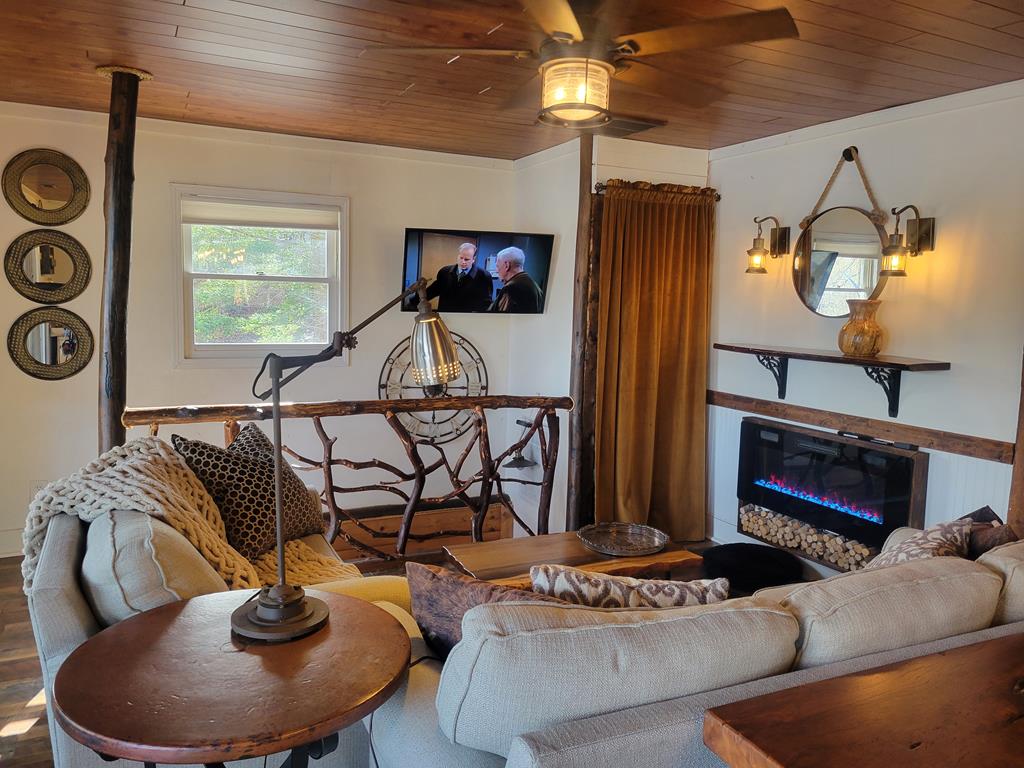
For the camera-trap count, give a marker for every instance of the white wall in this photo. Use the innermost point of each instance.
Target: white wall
(957, 158)
(643, 161)
(51, 426)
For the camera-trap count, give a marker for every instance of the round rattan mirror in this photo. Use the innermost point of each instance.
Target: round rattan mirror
(838, 257)
(50, 343)
(46, 187)
(47, 266)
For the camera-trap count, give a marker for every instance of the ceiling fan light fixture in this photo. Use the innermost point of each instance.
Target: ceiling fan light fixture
(575, 92)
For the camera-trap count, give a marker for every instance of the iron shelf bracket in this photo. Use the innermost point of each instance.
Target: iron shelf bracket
(779, 367)
(889, 380)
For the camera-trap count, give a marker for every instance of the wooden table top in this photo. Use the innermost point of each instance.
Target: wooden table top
(508, 561)
(172, 685)
(961, 707)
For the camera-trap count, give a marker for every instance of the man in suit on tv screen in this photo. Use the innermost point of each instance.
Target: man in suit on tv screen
(462, 286)
(519, 292)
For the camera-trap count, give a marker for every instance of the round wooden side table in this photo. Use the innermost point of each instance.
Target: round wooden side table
(172, 685)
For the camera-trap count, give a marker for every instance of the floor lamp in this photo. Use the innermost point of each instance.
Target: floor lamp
(284, 612)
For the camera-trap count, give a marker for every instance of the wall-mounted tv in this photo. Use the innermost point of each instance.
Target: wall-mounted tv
(473, 271)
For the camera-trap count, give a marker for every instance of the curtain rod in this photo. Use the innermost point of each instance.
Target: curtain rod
(600, 187)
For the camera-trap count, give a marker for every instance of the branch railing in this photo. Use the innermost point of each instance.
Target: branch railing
(407, 484)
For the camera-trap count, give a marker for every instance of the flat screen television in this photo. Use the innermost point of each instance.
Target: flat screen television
(474, 271)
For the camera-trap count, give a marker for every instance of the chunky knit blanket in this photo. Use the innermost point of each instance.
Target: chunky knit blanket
(148, 475)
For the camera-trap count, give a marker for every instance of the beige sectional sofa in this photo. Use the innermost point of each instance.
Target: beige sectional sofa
(541, 686)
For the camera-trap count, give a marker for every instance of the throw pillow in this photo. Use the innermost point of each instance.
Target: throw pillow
(241, 481)
(942, 540)
(987, 532)
(441, 597)
(986, 536)
(598, 590)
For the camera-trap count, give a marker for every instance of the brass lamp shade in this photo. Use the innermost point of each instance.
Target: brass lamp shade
(756, 257)
(894, 257)
(435, 361)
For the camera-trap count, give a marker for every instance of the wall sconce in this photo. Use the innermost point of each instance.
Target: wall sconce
(778, 245)
(920, 237)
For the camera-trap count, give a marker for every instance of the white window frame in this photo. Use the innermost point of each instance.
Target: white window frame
(190, 354)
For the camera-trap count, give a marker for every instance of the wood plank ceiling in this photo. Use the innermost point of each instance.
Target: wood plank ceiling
(300, 66)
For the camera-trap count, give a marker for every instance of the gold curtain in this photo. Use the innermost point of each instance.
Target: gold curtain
(652, 355)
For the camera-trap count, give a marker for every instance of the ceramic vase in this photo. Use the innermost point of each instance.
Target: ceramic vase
(862, 335)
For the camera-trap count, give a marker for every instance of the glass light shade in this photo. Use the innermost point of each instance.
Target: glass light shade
(756, 257)
(435, 360)
(575, 90)
(894, 257)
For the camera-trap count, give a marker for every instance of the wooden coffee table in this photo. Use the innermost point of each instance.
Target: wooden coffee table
(508, 561)
(172, 685)
(961, 707)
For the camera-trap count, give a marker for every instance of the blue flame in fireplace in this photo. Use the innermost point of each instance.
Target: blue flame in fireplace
(839, 505)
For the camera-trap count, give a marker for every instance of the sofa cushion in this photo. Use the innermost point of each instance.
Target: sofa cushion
(882, 609)
(240, 478)
(599, 590)
(1008, 562)
(134, 562)
(440, 598)
(941, 540)
(390, 589)
(521, 667)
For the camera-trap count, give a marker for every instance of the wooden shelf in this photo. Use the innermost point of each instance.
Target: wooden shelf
(884, 370)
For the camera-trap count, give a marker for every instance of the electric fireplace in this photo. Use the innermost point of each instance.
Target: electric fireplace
(857, 488)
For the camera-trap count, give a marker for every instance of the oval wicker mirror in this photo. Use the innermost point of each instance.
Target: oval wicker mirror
(47, 266)
(45, 186)
(50, 343)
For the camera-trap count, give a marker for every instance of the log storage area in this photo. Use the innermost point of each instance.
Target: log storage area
(829, 549)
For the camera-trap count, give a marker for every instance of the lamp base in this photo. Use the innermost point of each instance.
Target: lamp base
(279, 614)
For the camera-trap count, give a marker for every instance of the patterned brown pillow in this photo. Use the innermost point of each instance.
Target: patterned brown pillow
(440, 598)
(599, 590)
(942, 540)
(240, 478)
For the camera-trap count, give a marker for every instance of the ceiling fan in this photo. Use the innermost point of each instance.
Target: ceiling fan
(582, 53)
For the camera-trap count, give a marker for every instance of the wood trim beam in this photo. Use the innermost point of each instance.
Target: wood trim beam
(583, 376)
(933, 439)
(1016, 514)
(117, 213)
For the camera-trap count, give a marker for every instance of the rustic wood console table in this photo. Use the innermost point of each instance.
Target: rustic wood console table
(959, 707)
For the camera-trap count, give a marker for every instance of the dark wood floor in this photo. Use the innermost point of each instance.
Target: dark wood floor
(24, 736)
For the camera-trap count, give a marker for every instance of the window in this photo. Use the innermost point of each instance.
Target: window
(260, 271)
(851, 264)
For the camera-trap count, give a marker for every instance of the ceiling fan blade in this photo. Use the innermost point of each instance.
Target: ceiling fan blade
(669, 85)
(445, 51)
(711, 33)
(526, 95)
(554, 17)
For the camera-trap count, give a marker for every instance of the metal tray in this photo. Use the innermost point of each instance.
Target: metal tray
(622, 539)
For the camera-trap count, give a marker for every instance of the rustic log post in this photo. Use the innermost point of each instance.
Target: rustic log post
(1015, 516)
(579, 506)
(117, 213)
(231, 430)
(544, 506)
